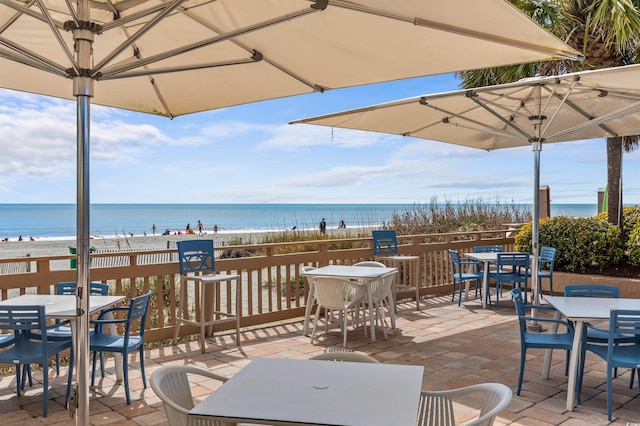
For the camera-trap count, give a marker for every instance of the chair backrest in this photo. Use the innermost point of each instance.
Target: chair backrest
(136, 315)
(95, 289)
(437, 407)
(624, 323)
(590, 290)
(518, 302)
(547, 258)
(371, 264)
(384, 242)
(332, 293)
(518, 261)
(23, 320)
(171, 384)
(196, 256)
(345, 357)
(455, 261)
(488, 249)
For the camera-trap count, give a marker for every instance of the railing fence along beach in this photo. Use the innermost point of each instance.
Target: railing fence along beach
(272, 288)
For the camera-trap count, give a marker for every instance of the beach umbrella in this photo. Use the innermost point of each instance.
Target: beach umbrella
(531, 112)
(172, 57)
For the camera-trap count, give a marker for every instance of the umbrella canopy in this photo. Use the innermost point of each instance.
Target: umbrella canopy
(281, 47)
(172, 57)
(536, 111)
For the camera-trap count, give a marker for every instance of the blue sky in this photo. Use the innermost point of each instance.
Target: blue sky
(250, 154)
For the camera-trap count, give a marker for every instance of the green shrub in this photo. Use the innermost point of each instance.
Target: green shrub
(582, 243)
(633, 246)
(630, 218)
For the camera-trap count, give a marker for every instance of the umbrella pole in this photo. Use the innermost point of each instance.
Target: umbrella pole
(83, 91)
(535, 230)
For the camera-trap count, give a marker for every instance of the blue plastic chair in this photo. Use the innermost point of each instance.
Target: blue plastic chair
(622, 324)
(508, 270)
(26, 349)
(103, 341)
(536, 340)
(473, 273)
(62, 332)
(546, 262)
(384, 243)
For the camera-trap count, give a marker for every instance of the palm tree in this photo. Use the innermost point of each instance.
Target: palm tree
(607, 32)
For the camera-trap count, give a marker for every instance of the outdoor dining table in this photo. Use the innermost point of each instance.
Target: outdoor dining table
(276, 391)
(360, 274)
(63, 306)
(581, 310)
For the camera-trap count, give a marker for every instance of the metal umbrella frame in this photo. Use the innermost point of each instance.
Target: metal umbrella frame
(173, 57)
(532, 112)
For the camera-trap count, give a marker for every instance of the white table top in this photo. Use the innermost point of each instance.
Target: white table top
(487, 257)
(357, 272)
(61, 306)
(576, 308)
(294, 391)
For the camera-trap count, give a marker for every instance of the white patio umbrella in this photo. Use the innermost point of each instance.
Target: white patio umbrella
(531, 112)
(172, 57)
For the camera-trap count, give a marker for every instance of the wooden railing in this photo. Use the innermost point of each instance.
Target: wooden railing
(272, 288)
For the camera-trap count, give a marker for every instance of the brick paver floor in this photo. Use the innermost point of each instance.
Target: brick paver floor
(457, 346)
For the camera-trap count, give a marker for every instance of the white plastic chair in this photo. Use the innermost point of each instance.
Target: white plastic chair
(437, 407)
(344, 357)
(310, 300)
(382, 295)
(171, 384)
(336, 294)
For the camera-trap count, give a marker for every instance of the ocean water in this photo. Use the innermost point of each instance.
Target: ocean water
(58, 221)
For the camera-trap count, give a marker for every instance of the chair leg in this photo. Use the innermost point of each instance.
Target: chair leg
(523, 353)
(125, 376)
(45, 393)
(315, 322)
(144, 378)
(453, 293)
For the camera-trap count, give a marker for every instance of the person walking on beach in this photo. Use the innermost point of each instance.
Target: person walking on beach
(199, 227)
(215, 228)
(188, 227)
(153, 229)
(342, 225)
(323, 226)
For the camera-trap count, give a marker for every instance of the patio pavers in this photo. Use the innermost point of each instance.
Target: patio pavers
(458, 346)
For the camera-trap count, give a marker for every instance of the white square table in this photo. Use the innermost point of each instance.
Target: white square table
(363, 274)
(63, 306)
(274, 391)
(487, 259)
(581, 310)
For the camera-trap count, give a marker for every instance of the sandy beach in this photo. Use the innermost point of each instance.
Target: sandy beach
(51, 247)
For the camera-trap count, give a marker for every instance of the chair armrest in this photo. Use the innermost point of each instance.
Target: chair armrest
(112, 310)
(567, 324)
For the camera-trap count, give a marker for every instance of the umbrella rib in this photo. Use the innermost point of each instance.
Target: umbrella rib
(204, 43)
(482, 127)
(24, 56)
(585, 115)
(474, 97)
(563, 101)
(56, 33)
(201, 21)
(466, 32)
(179, 69)
(148, 26)
(29, 12)
(619, 113)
